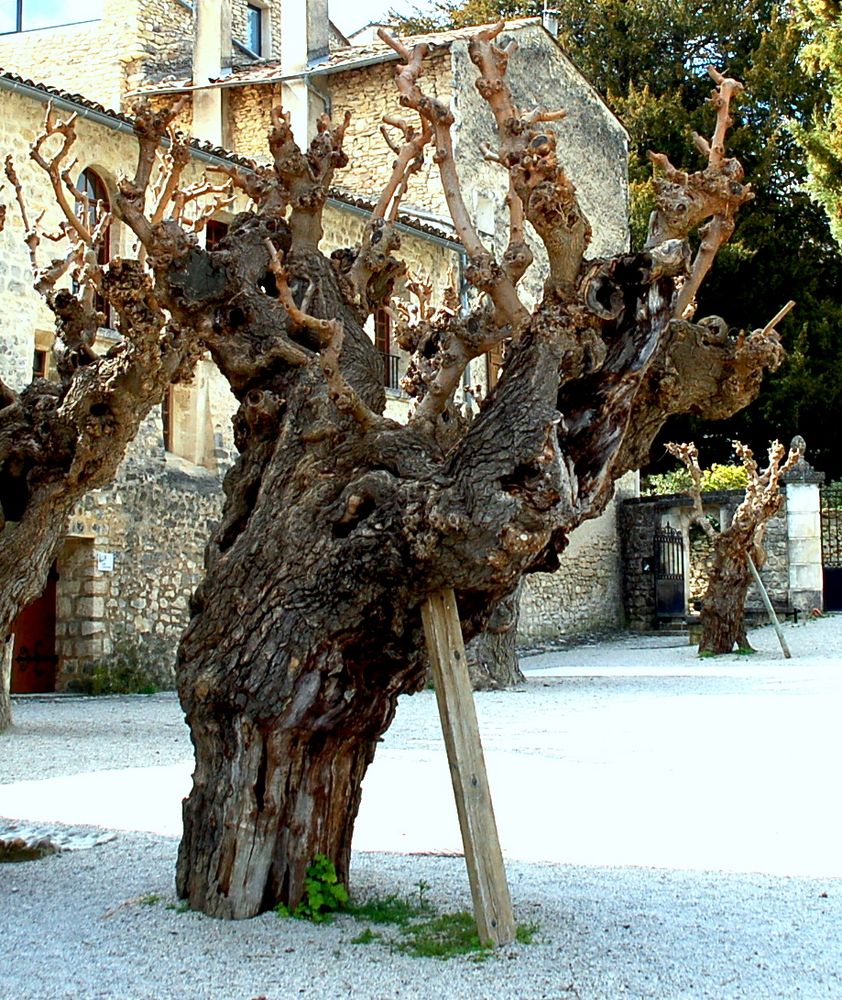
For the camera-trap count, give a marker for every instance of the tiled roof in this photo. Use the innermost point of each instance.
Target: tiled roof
(46, 92)
(339, 60)
(440, 227)
(123, 122)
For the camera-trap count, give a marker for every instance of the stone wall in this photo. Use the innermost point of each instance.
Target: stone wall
(369, 94)
(248, 120)
(699, 567)
(638, 523)
(71, 56)
(585, 593)
(163, 44)
(133, 557)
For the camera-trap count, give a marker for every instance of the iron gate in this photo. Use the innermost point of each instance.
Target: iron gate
(831, 517)
(669, 573)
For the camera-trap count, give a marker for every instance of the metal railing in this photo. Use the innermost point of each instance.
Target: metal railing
(391, 371)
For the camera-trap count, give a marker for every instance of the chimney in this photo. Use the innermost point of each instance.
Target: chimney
(305, 39)
(211, 54)
(549, 18)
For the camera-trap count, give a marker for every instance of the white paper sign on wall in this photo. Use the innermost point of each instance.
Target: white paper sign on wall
(105, 562)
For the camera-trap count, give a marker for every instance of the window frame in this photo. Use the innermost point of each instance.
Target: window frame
(260, 23)
(91, 184)
(19, 29)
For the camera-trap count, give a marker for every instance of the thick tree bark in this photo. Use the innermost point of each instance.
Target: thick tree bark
(338, 523)
(6, 650)
(722, 619)
(268, 796)
(492, 655)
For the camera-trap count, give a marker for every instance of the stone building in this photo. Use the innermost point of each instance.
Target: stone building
(134, 551)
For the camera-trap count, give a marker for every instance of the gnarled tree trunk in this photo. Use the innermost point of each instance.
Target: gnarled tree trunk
(723, 607)
(492, 655)
(339, 523)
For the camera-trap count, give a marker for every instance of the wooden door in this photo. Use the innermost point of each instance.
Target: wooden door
(34, 656)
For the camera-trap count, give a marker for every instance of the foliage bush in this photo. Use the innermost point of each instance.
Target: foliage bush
(717, 477)
(125, 672)
(324, 894)
(420, 931)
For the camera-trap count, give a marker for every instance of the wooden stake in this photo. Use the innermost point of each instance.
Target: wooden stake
(484, 859)
(773, 618)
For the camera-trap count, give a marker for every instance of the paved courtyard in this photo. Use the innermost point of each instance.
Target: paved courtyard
(611, 761)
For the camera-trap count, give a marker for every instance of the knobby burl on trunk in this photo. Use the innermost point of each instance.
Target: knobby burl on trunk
(338, 523)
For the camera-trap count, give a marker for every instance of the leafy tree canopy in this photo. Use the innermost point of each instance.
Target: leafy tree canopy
(821, 54)
(648, 59)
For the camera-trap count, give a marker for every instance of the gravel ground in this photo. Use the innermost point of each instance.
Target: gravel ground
(672, 825)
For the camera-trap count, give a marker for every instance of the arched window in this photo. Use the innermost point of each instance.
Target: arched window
(90, 211)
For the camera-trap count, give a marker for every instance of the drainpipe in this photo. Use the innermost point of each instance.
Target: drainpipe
(467, 395)
(211, 54)
(304, 40)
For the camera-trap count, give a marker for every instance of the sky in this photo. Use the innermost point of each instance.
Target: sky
(348, 15)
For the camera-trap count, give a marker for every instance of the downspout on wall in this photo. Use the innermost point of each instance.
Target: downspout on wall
(212, 51)
(305, 39)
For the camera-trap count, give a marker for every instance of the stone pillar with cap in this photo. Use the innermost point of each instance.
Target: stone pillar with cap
(804, 532)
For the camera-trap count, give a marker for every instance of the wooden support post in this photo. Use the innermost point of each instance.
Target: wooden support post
(484, 859)
(773, 618)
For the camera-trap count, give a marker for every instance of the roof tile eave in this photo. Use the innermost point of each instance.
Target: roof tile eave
(118, 117)
(342, 59)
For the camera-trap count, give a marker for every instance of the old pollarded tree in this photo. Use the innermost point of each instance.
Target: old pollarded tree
(339, 523)
(738, 544)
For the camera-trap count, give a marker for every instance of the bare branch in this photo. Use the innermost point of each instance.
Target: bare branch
(689, 455)
(55, 171)
(539, 190)
(47, 277)
(483, 272)
(150, 128)
(380, 237)
(329, 334)
(171, 165)
(30, 235)
(305, 180)
(685, 201)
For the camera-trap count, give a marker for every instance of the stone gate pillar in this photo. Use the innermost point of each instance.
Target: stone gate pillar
(804, 532)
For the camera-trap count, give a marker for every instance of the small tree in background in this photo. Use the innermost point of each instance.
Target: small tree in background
(723, 608)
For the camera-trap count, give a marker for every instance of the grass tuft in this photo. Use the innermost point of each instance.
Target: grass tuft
(444, 936)
(388, 910)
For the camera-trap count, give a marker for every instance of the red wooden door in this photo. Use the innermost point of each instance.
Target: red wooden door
(34, 656)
